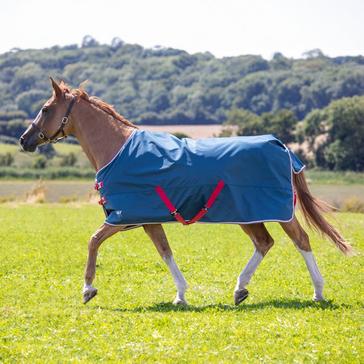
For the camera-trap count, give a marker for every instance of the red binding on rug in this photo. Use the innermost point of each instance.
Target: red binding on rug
(294, 198)
(174, 212)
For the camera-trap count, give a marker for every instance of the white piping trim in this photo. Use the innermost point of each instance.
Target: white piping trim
(119, 151)
(202, 222)
(293, 189)
(303, 167)
(299, 170)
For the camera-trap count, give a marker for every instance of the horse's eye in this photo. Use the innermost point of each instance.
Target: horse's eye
(45, 109)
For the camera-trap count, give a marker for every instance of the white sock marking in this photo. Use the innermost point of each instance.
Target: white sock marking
(178, 278)
(317, 280)
(88, 287)
(250, 268)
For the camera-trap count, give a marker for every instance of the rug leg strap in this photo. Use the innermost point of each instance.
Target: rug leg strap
(174, 212)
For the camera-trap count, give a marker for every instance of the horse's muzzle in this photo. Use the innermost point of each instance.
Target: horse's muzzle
(27, 143)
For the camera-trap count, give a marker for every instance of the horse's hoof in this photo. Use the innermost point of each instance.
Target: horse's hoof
(318, 298)
(180, 302)
(240, 295)
(89, 294)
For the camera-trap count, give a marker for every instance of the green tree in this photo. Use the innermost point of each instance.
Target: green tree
(336, 134)
(247, 122)
(176, 86)
(281, 124)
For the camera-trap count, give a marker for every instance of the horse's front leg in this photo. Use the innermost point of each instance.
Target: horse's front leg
(262, 242)
(159, 238)
(100, 235)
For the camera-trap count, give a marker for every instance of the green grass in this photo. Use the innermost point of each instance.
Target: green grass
(335, 178)
(43, 251)
(61, 148)
(65, 148)
(9, 148)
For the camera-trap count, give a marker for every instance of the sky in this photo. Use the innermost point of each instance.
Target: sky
(222, 27)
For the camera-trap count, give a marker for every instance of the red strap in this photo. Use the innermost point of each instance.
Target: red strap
(173, 210)
(180, 219)
(170, 205)
(209, 203)
(198, 216)
(214, 194)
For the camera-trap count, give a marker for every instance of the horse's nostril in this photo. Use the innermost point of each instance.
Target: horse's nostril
(21, 140)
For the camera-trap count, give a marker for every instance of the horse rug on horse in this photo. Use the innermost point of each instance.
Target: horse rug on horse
(158, 178)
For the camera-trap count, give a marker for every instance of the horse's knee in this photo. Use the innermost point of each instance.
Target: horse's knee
(264, 244)
(94, 243)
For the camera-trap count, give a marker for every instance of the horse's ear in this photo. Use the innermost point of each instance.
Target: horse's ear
(56, 88)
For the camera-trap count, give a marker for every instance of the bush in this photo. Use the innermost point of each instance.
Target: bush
(47, 151)
(68, 160)
(40, 162)
(48, 173)
(37, 193)
(353, 204)
(180, 135)
(6, 159)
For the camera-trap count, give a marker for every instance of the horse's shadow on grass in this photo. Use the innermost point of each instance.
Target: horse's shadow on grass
(276, 303)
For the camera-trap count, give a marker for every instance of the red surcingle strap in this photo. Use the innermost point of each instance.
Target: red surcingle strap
(174, 212)
(172, 209)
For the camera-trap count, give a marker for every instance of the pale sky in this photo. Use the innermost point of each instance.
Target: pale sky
(222, 27)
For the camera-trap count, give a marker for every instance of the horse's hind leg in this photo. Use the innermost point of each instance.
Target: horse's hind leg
(159, 238)
(301, 240)
(100, 235)
(262, 242)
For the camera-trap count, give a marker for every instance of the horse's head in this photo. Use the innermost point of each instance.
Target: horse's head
(52, 122)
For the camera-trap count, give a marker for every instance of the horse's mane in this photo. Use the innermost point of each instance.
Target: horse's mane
(80, 93)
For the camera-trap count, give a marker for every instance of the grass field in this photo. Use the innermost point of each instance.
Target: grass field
(61, 148)
(43, 251)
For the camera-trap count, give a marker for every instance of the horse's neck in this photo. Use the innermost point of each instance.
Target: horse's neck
(101, 136)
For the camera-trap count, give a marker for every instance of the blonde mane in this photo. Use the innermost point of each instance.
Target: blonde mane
(80, 93)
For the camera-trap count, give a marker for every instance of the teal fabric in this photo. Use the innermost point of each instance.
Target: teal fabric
(257, 172)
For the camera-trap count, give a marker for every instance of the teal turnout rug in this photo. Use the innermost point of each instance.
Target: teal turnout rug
(158, 178)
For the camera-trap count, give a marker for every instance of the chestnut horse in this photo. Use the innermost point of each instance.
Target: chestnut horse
(101, 132)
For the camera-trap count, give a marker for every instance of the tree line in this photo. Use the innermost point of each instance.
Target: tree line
(291, 98)
(165, 85)
(331, 138)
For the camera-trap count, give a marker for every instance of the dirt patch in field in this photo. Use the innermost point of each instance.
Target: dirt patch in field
(82, 191)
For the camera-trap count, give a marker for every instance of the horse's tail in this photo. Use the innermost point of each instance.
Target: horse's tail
(313, 208)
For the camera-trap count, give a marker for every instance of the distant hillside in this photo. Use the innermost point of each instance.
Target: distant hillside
(170, 86)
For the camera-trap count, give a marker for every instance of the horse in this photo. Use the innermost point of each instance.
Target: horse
(102, 132)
